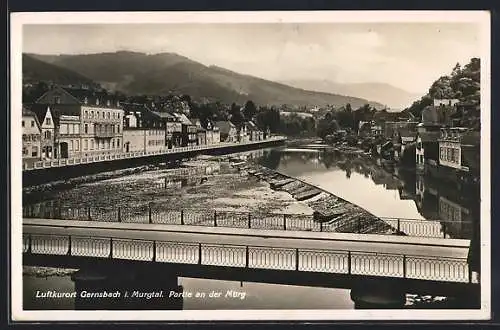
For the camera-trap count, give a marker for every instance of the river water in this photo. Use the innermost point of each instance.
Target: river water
(384, 192)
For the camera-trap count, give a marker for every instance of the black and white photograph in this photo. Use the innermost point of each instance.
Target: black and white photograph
(250, 165)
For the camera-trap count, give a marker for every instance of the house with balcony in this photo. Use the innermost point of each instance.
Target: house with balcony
(228, 131)
(100, 116)
(459, 153)
(189, 131)
(32, 137)
(201, 132)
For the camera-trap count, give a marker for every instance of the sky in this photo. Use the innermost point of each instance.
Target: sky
(406, 55)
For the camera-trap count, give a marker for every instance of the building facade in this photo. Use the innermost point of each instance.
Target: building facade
(47, 129)
(228, 132)
(32, 136)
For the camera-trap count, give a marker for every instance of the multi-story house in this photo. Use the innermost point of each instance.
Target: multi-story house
(143, 129)
(100, 117)
(32, 136)
(459, 149)
(200, 132)
(228, 131)
(253, 131)
(189, 131)
(212, 133)
(45, 117)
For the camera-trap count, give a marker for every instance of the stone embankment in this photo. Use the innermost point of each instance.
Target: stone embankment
(327, 207)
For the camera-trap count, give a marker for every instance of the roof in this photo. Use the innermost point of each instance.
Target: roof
(28, 112)
(164, 115)
(251, 126)
(83, 96)
(224, 126)
(183, 119)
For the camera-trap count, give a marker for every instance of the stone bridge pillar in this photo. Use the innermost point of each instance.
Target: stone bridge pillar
(125, 289)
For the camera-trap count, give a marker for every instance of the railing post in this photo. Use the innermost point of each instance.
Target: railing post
(296, 259)
(284, 221)
(149, 213)
(444, 229)
(69, 245)
(154, 251)
(111, 248)
(199, 253)
(399, 226)
(249, 220)
(29, 244)
(119, 214)
(215, 218)
(89, 217)
(349, 262)
(247, 257)
(321, 226)
(182, 217)
(404, 266)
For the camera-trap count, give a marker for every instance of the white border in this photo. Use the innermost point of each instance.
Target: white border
(482, 18)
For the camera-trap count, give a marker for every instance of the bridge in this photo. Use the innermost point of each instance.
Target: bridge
(364, 263)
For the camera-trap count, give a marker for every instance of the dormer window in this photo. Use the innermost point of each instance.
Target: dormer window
(97, 101)
(57, 99)
(86, 100)
(108, 103)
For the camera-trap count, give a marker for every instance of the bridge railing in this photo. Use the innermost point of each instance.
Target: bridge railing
(151, 213)
(134, 154)
(252, 256)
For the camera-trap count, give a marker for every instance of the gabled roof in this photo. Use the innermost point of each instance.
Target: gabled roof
(224, 126)
(39, 110)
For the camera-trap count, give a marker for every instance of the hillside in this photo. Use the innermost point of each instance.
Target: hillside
(35, 70)
(463, 83)
(395, 98)
(159, 74)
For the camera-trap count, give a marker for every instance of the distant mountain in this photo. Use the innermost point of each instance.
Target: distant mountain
(35, 70)
(159, 74)
(394, 97)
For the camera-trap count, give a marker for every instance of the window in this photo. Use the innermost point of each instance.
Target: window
(25, 151)
(32, 123)
(108, 115)
(113, 144)
(48, 121)
(22, 123)
(86, 128)
(71, 145)
(97, 116)
(91, 144)
(57, 99)
(118, 143)
(70, 129)
(85, 144)
(85, 114)
(102, 145)
(34, 151)
(77, 145)
(91, 114)
(48, 135)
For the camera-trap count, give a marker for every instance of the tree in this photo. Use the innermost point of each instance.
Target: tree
(249, 110)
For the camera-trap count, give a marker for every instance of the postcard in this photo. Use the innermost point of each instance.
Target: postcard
(183, 166)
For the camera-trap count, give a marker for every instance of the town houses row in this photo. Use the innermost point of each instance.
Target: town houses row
(73, 123)
(435, 144)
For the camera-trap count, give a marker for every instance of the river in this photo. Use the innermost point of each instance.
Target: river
(385, 193)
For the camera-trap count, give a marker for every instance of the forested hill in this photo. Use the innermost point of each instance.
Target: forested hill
(462, 83)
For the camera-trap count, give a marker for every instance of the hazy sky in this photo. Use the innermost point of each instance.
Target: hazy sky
(407, 55)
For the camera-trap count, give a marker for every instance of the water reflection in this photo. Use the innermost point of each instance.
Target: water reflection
(382, 189)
